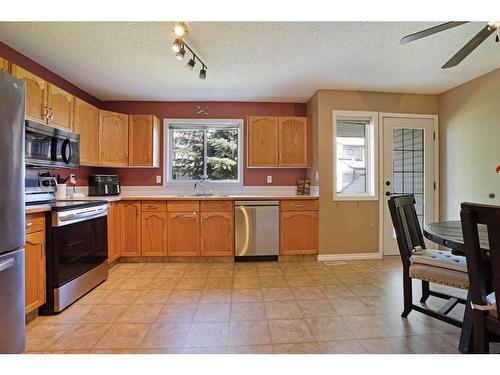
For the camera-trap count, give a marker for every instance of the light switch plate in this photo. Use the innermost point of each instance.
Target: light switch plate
(269, 179)
(158, 179)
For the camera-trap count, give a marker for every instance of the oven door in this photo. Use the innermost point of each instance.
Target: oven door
(51, 147)
(78, 248)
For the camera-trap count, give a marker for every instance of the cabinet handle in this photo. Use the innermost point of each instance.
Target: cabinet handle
(299, 205)
(28, 225)
(50, 114)
(155, 207)
(189, 216)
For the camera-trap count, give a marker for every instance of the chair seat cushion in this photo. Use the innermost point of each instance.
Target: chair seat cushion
(438, 258)
(439, 275)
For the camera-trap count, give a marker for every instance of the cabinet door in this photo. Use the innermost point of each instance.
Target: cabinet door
(113, 138)
(144, 135)
(130, 229)
(217, 233)
(36, 94)
(4, 65)
(35, 270)
(113, 232)
(60, 105)
(293, 141)
(299, 232)
(154, 233)
(86, 123)
(262, 141)
(183, 233)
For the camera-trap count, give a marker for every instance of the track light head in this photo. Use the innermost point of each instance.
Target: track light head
(191, 63)
(178, 44)
(181, 53)
(203, 72)
(180, 29)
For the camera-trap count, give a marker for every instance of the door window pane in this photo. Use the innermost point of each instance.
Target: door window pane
(408, 166)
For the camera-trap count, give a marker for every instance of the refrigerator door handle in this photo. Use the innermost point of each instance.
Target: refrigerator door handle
(7, 264)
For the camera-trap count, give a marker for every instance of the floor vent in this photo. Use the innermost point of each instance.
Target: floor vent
(334, 263)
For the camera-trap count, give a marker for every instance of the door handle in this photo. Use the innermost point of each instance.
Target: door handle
(388, 193)
(7, 264)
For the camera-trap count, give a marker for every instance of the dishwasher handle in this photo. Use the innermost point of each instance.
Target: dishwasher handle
(256, 203)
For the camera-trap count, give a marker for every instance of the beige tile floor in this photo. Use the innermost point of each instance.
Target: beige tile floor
(268, 307)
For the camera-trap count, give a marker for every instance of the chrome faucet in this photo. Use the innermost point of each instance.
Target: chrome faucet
(201, 184)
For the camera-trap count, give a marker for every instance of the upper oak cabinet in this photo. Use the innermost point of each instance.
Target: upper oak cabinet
(294, 142)
(60, 107)
(262, 141)
(144, 141)
(278, 142)
(113, 138)
(86, 123)
(36, 94)
(4, 65)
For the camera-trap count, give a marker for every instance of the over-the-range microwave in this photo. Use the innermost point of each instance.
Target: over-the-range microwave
(48, 147)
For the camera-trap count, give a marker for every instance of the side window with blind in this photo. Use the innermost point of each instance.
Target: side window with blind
(355, 154)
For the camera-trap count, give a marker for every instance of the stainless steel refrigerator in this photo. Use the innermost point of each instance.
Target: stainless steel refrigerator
(12, 225)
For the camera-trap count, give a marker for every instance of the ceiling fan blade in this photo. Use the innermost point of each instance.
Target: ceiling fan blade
(430, 31)
(469, 47)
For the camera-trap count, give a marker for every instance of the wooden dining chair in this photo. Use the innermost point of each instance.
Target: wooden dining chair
(484, 273)
(427, 265)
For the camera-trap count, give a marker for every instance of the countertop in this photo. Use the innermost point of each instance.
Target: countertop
(215, 197)
(46, 207)
(37, 208)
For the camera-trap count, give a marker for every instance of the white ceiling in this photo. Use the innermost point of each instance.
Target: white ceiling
(250, 61)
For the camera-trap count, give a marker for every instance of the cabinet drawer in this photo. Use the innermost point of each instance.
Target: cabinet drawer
(35, 222)
(300, 205)
(174, 206)
(153, 206)
(216, 206)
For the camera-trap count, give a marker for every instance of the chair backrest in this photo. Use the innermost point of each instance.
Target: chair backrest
(483, 268)
(406, 225)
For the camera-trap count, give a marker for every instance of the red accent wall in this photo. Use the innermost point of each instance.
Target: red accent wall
(216, 110)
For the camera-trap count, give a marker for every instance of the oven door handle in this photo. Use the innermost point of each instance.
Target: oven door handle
(83, 215)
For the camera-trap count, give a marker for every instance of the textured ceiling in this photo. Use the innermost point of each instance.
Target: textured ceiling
(250, 61)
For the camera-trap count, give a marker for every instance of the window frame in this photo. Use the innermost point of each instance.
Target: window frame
(371, 149)
(168, 151)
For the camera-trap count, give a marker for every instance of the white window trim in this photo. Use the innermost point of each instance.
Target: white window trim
(372, 157)
(167, 150)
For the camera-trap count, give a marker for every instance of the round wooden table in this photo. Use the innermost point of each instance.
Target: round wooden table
(449, 234)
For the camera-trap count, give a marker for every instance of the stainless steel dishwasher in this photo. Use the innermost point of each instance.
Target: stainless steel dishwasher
(256, 230)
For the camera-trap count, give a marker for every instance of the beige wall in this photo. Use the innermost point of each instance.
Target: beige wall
(469, 130)
(351, 227)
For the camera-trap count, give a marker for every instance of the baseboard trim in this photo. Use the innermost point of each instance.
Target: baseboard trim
(359, 256)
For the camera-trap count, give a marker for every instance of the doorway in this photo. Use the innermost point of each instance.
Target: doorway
(409, 166)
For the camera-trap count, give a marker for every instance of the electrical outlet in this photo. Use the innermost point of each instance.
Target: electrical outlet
(269, 179)
(317, 176)
(158, 179)
(72, 179)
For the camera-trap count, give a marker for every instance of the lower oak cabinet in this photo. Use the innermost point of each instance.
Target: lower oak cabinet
(113, 232)
(183, 233)
(299, 227)
(34, 251)
(129, 213)
(217, 233)
(154, 233)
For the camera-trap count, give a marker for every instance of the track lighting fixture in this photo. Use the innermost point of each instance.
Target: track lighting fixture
(203, 72)
(190, 64)
(177, 44)
(180, 29)
(179, 47)
(181, 53)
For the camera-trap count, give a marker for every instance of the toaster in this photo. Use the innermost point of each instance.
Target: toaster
(100, 184)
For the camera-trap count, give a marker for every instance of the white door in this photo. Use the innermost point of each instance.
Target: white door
(408, 167)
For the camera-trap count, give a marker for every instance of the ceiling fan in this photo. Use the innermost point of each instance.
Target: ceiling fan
(471, 45)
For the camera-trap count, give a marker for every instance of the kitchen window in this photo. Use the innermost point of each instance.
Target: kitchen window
(198, 148)
(355, 153)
